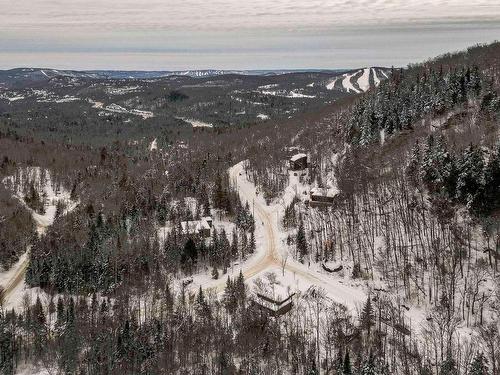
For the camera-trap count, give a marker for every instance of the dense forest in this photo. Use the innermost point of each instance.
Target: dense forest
(416, 163)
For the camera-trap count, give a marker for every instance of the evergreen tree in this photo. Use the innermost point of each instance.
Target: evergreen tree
(367, 317)
(479, 365)
(61, 317)
(240, 289)
(202, 308)
(369, 368)
(488, 198)
(252, 244)
(229, 298)
(448, 367)
(346, 367)
(312, 368)
(301, 242)
(190, 252)
(413, 168)
(8, 347)
(470, 175)
(234, 245)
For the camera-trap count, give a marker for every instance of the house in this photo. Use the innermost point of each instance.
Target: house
(321, 197)
(298, 162)
(201, 227)
(273, 307)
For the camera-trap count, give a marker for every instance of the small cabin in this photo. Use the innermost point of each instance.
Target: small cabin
(320, 196)
(201, 227)
(298, 162)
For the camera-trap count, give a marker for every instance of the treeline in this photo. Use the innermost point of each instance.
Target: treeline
(181, 332)
(407, 97)
(92, 249)
(109, 239)
(14, 221)
(470, 177)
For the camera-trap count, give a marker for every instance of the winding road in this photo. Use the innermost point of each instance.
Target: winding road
(270, 257)
(267, 257)
(42, 223)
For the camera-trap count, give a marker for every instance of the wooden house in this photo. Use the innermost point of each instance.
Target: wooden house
(298, 162)
(201, 227)
(273, 307)
(321, 197)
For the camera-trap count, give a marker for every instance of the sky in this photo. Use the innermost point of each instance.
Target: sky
(235, 34)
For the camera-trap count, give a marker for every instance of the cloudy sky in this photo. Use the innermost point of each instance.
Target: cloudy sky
(235, 34)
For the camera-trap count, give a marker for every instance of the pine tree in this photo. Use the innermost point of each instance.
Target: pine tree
(367, 317)
(301, 242)
(311, 357)
(252, 244)
(7, 347)
(470, 175)
(190, 252)
(413, 168)
(234, 244)
(39, 326)
(488, 198)
(229, 298)
(202, 308)
(61, 317)
(479, 365)
(369, 368)
(240, 289)
(448, 367)
(70, 341)
(346, 367)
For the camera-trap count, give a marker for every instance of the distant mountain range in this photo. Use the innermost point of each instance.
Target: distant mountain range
(43, 73)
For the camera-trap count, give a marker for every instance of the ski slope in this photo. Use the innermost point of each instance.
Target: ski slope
(358, 81)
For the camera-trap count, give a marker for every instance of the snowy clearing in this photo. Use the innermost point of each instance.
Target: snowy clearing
(196, 123)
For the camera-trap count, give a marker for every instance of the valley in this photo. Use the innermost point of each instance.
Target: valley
(252, 222)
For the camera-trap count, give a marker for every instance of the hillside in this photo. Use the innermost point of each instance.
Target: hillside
(162, 225)
(153, 105)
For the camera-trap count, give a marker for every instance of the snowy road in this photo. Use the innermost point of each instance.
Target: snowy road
(271, 252)
(269, 256)
(12, 281)
(17, 277)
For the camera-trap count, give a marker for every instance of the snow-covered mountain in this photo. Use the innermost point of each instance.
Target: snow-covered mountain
(40, 74)
(360, 80)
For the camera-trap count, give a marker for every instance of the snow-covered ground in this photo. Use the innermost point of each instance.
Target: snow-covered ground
(360, 77)
(364, 80)
(115, 108)
(30, 369)
(154, 145)
(347, 83)
(12, 280)
(376, 80)
(287, 94)
(122, 90)
(273, 255)
(331, 85)
(196, 123)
